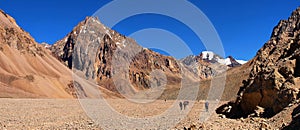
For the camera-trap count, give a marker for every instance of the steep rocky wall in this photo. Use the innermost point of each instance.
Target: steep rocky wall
(91, 48)
(271, 84)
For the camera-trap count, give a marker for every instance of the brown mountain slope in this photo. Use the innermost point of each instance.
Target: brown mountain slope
(27, 69)
(234, 78)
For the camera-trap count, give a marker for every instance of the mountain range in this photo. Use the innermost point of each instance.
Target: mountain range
(108, 44)
(93, 55)
(55, 73)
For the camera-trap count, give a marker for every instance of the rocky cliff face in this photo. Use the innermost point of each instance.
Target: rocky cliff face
(97, 51)
(274, 79)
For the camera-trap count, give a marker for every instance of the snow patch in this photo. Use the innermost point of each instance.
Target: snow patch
(212, 56)
(208, 54)
(242, 61)
(224, 61)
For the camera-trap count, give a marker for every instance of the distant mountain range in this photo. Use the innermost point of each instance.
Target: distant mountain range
(105, 42)
(96, 63)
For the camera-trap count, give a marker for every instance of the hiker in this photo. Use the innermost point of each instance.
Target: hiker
(180, 105)
(185, 104)
(206, 106)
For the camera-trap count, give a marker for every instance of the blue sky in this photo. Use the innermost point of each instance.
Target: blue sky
(243, 26)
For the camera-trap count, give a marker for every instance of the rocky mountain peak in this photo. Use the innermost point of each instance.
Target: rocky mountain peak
(208, 64)
(233, 62)
(93, 48)
(211, 57)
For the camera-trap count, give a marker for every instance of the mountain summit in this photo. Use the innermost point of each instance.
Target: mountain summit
(96, 51)
(99, 52)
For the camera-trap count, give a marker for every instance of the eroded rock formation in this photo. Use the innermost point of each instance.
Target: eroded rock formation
(273, 81)
(96, 50)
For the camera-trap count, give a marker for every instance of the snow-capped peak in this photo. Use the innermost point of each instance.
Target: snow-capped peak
(207, 55)
(211, 57)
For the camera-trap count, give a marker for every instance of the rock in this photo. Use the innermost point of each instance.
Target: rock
(271, 83)
(283, 125)
(90, 122)
(233, 62)
(242, 119)
(295, 123)
(259, 111)
(192, 127)
(264, 126)
(222, 116)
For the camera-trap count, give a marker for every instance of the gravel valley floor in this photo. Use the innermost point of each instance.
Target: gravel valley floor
(68, 114)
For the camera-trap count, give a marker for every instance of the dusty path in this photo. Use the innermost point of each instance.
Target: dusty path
(68, 114)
